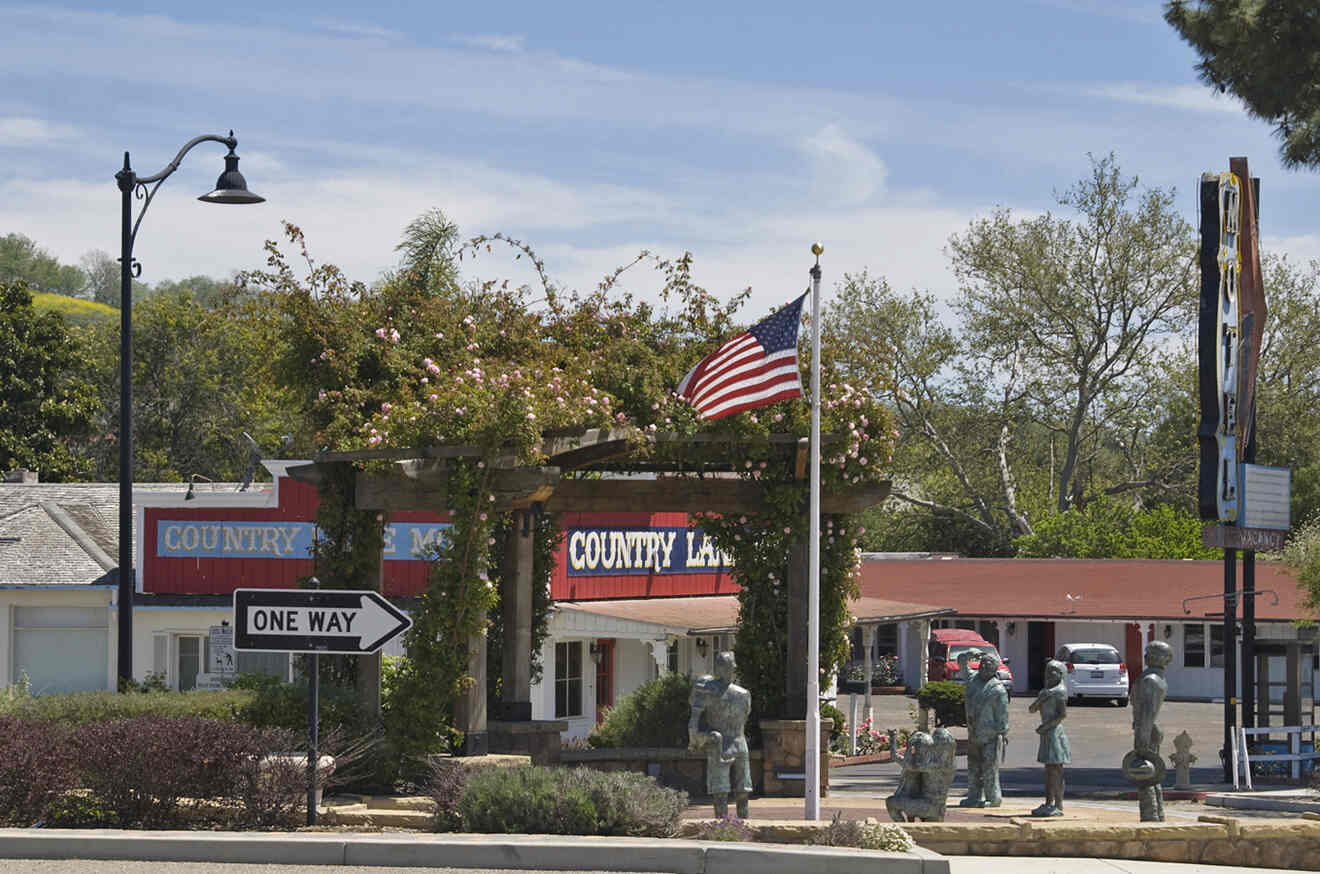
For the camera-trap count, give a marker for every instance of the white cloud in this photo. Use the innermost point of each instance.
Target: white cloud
(844, 169)
(16, 131)
(1193, 98)
(509, 43)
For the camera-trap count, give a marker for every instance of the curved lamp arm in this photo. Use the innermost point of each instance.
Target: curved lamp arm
(130, 181)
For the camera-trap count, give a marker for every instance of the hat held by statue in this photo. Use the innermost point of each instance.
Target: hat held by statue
(1143, 768)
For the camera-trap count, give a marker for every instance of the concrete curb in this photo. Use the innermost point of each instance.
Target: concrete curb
(460, 851)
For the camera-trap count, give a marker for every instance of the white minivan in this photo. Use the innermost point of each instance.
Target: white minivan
(1095, 670)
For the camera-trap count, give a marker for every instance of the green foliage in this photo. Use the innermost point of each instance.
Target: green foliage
(44, 400)
(654, 715)
(840, 727)
(730, 829)
(1110, 528)
(275, 704)
(201, 377)
(82, 708)
(946, 698)
(22, 260)
(1264, 53)
(75, 310)
(867, 835)
(563, 801)
(1302, 555)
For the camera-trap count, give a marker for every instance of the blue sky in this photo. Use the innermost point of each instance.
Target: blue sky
(738, 131)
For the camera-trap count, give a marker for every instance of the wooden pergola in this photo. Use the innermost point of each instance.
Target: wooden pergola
(598, 470)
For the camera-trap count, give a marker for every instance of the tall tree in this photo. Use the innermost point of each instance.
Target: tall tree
(1264, 52)
(1073, 314)
(44, 399)
(22, 260)
(102, 278)
(201, 377)
(903, 349)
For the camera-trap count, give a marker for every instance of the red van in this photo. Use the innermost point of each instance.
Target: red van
(946, 643)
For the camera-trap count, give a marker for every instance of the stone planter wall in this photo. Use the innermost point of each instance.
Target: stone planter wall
(784, 755)
(537, 738)
(672, 767)
(1217, 840)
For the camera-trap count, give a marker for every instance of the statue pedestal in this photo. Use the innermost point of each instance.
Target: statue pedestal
(784, 757)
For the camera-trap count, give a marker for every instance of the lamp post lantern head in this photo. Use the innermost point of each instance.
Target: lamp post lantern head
(231, 187)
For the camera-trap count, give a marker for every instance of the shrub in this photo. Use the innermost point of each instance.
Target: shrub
(946, 698)
(867, 835)
(82, 708)
(139, 768)
(837, 733)
(447, 782)
(730, 828)
(539, 800)
(138, 771)
(36, 769)
(655, 715)
(272, 703)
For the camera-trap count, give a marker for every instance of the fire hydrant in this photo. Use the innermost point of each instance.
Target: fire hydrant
(1182, 759)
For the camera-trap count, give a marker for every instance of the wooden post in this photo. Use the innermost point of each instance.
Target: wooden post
(516, 609)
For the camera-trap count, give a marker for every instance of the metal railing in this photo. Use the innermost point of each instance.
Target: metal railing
(1242, 760)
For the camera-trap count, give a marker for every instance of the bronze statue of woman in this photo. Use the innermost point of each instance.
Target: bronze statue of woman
(1054, 752)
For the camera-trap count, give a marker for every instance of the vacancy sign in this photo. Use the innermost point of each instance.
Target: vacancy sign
(315, 620)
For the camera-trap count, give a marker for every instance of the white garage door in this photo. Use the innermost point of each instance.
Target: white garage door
(61, 649)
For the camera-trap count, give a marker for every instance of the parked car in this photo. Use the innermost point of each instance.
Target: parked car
(946, 644)
(1095, 670)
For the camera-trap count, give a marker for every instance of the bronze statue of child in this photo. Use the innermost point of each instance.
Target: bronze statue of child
(1054, 752)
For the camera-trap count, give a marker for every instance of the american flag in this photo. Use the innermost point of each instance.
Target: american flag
(755, 368)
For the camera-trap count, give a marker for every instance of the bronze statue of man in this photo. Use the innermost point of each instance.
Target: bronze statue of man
(1143, 766)
(986, 701)
(719, 712)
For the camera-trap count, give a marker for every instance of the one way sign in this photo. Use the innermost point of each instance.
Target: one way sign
(314, 620)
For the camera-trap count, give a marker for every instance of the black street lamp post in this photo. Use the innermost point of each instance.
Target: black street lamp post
(229, 188)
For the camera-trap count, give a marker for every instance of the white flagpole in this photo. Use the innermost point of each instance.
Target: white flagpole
(813, 586)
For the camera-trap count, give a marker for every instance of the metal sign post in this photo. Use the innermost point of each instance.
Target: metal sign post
(345, 621)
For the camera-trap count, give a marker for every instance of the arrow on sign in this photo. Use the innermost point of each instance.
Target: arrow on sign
(314, 620)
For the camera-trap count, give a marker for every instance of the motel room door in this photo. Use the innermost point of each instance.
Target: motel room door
(1040, 647)
(604, 677)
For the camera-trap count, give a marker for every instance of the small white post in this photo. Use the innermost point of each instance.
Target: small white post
(1246, 760)
(852, 723)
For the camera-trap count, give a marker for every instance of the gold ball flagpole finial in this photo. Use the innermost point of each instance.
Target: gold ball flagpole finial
(817, 249)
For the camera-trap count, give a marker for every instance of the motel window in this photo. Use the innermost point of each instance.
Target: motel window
(1216, 645)
(671, 658)
(274, 664)
(1194, 645)
(886, 639)
(568, 679)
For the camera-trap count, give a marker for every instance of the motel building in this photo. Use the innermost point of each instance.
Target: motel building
(635, 595)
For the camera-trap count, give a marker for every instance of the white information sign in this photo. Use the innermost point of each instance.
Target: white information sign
(1266, 497)
(212, 682)
(222, 660)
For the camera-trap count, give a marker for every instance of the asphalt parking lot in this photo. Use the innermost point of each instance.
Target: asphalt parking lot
(1099, 734)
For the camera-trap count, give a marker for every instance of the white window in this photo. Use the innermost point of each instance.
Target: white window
(180, 656)
(1194, 645)
(568, 679)
(61, 649)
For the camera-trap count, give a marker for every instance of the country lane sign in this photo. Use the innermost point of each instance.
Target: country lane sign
(315, 620)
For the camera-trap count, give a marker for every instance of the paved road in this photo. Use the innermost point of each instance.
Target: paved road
(957, 865)
(1100, 734)
(84, 866)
